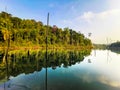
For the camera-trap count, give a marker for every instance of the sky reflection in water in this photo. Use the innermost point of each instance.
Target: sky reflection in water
(98, 71)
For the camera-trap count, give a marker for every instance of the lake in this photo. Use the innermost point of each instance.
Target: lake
(62, 70)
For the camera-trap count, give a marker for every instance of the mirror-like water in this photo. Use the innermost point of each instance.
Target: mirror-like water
(66, 70)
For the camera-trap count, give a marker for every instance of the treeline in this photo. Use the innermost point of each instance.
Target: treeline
(100, 46)
(114, 46)
(26, 32)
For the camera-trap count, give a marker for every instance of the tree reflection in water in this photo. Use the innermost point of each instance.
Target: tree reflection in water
(30, 61)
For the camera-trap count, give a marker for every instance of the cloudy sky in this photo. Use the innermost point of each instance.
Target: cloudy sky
(100, 17)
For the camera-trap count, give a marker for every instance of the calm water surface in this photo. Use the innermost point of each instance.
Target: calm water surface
(66, 70)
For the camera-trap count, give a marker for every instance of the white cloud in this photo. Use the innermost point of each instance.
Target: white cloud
(102, 79)
(108, 81)
(114, 4)
(87, 16)
(100, 17)
(103, 25)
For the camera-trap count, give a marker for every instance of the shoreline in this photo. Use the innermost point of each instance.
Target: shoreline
(67, 47)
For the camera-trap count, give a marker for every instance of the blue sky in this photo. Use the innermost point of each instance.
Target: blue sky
(100, 17)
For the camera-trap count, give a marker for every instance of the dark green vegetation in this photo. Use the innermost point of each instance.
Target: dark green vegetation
(115, 47)
(28, 32)
(27, 62)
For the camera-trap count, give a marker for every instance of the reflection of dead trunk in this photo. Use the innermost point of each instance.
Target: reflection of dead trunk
(89, 61)
(6, 51)
(5, 58)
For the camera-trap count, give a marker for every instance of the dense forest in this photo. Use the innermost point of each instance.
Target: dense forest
(28, 32)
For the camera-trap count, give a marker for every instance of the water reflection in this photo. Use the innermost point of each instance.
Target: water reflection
(106, 65)
(116, 51)
(67, 70)
(30, 63)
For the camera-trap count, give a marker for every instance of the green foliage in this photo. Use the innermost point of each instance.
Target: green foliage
(24, 32)
(29, 61)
